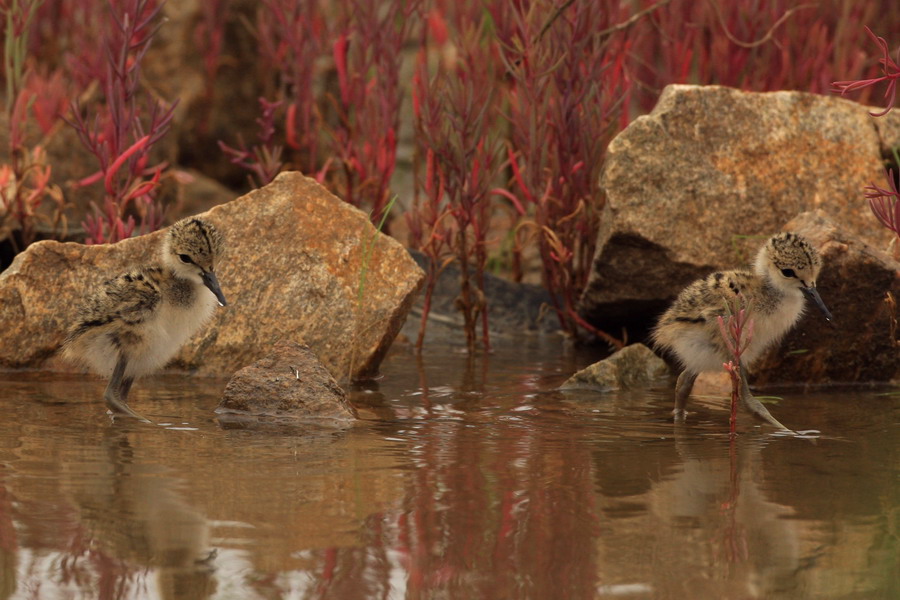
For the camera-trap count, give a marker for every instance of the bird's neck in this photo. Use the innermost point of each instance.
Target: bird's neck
(184, 290)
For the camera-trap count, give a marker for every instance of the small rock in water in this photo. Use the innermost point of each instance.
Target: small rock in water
(631, 367)
(289, 382)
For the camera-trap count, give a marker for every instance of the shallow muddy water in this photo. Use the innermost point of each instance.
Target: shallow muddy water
(464, 479)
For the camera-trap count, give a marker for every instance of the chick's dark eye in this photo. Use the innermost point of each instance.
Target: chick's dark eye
(788, 273)
(185, 258)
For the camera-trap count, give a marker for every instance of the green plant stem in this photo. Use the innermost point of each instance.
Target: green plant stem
(367, 253)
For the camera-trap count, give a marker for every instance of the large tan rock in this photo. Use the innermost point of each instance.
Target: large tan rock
(699, 183)
(862, 344)
(292, 271)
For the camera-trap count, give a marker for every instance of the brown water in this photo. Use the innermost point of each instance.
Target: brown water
(466, 479)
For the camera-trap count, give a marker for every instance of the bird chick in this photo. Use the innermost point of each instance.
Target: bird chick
(785, 271)
(134, 323)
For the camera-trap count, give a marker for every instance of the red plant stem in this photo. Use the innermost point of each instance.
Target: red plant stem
(366, 52)
(263, 159)
(430, 282)
(120, 160)
(734, 538)
(455, 112)
(612, 341)
(736, 375)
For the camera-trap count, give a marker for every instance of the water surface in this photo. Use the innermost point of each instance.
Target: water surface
(465, 479)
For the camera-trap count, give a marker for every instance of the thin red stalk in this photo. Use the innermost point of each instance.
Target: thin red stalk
(26, 178)
(263, 160)
(736, 329)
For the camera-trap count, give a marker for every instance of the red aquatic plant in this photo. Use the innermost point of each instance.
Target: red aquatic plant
(25, 180)
(430, 228)
(293, 41)
(455, 111)
(736, 329)
(891, 73)
(885, 203)
(50, 99)
(366, 51)
(262, 160)
(124, 130)
(761, 45)
(209, 39)
(566, 98)
(68, 35)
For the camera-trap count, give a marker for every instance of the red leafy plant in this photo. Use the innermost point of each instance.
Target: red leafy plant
(567, 93)
(884, 202)
(124, 130)
(209, 39)
(456, 115)
(25, 180)
(293, 39)
(736, 328)
(762, 46)
(367, 56)
(357, 119)
(262, 160)
(430, 229)
(891, 73)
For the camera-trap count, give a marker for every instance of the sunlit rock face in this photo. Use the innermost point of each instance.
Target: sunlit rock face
(293, 270)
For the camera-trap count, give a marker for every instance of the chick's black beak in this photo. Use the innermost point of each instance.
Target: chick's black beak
(813, 293)
(210, 281)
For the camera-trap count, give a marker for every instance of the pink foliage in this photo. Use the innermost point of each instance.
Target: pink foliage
(885, 203)
(456, 117)
(891, 73)
(263, 160)
(123, 132)
(366, 51)
(292, 38)
(736, 330)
